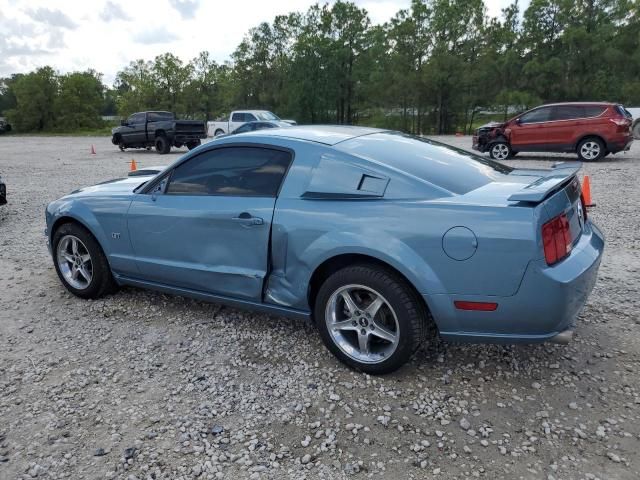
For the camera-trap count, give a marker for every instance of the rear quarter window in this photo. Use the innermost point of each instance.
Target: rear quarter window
(450, 168)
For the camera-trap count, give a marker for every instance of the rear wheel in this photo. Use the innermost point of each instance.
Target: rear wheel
(500, 151)
(80, 262)
(218, 133)
(162, 145)
(192, 145)
(591, 150)
(370, 318)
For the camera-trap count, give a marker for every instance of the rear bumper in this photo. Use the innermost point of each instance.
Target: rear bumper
(188, 137)
(544, 308)
(620, 144)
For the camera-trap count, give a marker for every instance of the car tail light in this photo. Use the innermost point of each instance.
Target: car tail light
(556, 238)
(481, 306)
(623, 124)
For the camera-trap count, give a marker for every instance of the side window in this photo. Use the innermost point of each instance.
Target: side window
(137, 118)
(231, 171)
(238, 117)
(593, 111)
(567, 112)
(132, 118)
(249, 117)
(536, 116)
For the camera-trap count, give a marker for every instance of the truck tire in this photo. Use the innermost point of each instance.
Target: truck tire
(162, 145)
(192, 145)
(218, 133)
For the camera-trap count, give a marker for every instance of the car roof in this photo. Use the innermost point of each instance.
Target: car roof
(578, 103)
(325, 134)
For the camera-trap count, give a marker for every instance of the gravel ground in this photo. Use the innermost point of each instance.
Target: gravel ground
(143, 385)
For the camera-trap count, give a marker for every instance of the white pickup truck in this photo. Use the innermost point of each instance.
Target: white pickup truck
(240, 117)
(635, 128)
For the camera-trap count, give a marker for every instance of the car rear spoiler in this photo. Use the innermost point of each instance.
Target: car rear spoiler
(550, 181)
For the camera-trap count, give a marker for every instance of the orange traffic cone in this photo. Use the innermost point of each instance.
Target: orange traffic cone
(133, 166)
(586, 191)
(93, 150)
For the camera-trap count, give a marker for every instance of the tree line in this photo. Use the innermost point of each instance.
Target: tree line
(432, 68)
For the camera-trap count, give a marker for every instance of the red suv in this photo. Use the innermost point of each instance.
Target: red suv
(592, 130)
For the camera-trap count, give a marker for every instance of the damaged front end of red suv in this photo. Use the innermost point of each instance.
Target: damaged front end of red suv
(485, 135)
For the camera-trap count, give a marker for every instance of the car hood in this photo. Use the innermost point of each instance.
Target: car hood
(115, 187)
(491, 125)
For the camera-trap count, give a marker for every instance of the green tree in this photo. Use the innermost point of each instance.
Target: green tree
(79, 101)
(35, 94)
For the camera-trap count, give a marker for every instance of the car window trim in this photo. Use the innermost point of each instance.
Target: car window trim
(147, 188)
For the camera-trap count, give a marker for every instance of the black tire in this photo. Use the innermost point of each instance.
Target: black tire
(102, 281)
(500, 150)
(218, 133)
(410, 313)
(591, 149)
(192, 145)
(162, 145)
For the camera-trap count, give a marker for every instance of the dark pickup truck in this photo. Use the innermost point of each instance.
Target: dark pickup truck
(159, 129)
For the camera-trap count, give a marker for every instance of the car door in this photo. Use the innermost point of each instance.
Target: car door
(138, 128)
(128, 131)
(206, 224)
(563, 124)
(528, 131)
(237, 119)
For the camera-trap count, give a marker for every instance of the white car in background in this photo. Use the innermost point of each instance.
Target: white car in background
(240, 117)
(635, 127)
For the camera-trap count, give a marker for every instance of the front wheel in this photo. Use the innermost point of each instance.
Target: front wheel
(370, 318)
(590, 150)
(80, 262)
(162, 145)
(218, 133)
(500, 151)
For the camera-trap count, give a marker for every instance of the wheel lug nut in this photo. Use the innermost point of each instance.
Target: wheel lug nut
(354, 323)
(372, 326)
(363, 332)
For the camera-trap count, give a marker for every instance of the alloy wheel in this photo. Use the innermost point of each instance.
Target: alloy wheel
(74, 262)
(362, 324)
(500, 151)
(590, 150)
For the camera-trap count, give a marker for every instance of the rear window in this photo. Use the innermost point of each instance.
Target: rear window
(593, 110)
(623, 111)
(567, 112)
(453, 169)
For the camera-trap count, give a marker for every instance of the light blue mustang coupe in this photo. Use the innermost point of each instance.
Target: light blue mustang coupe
(375, 235)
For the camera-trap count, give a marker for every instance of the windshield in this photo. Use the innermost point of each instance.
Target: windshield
(456, 170)
(267, 116)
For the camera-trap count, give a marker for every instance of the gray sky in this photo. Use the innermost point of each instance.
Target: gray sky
(107, 34)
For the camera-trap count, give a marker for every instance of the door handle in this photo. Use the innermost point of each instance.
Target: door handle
(248, 220)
